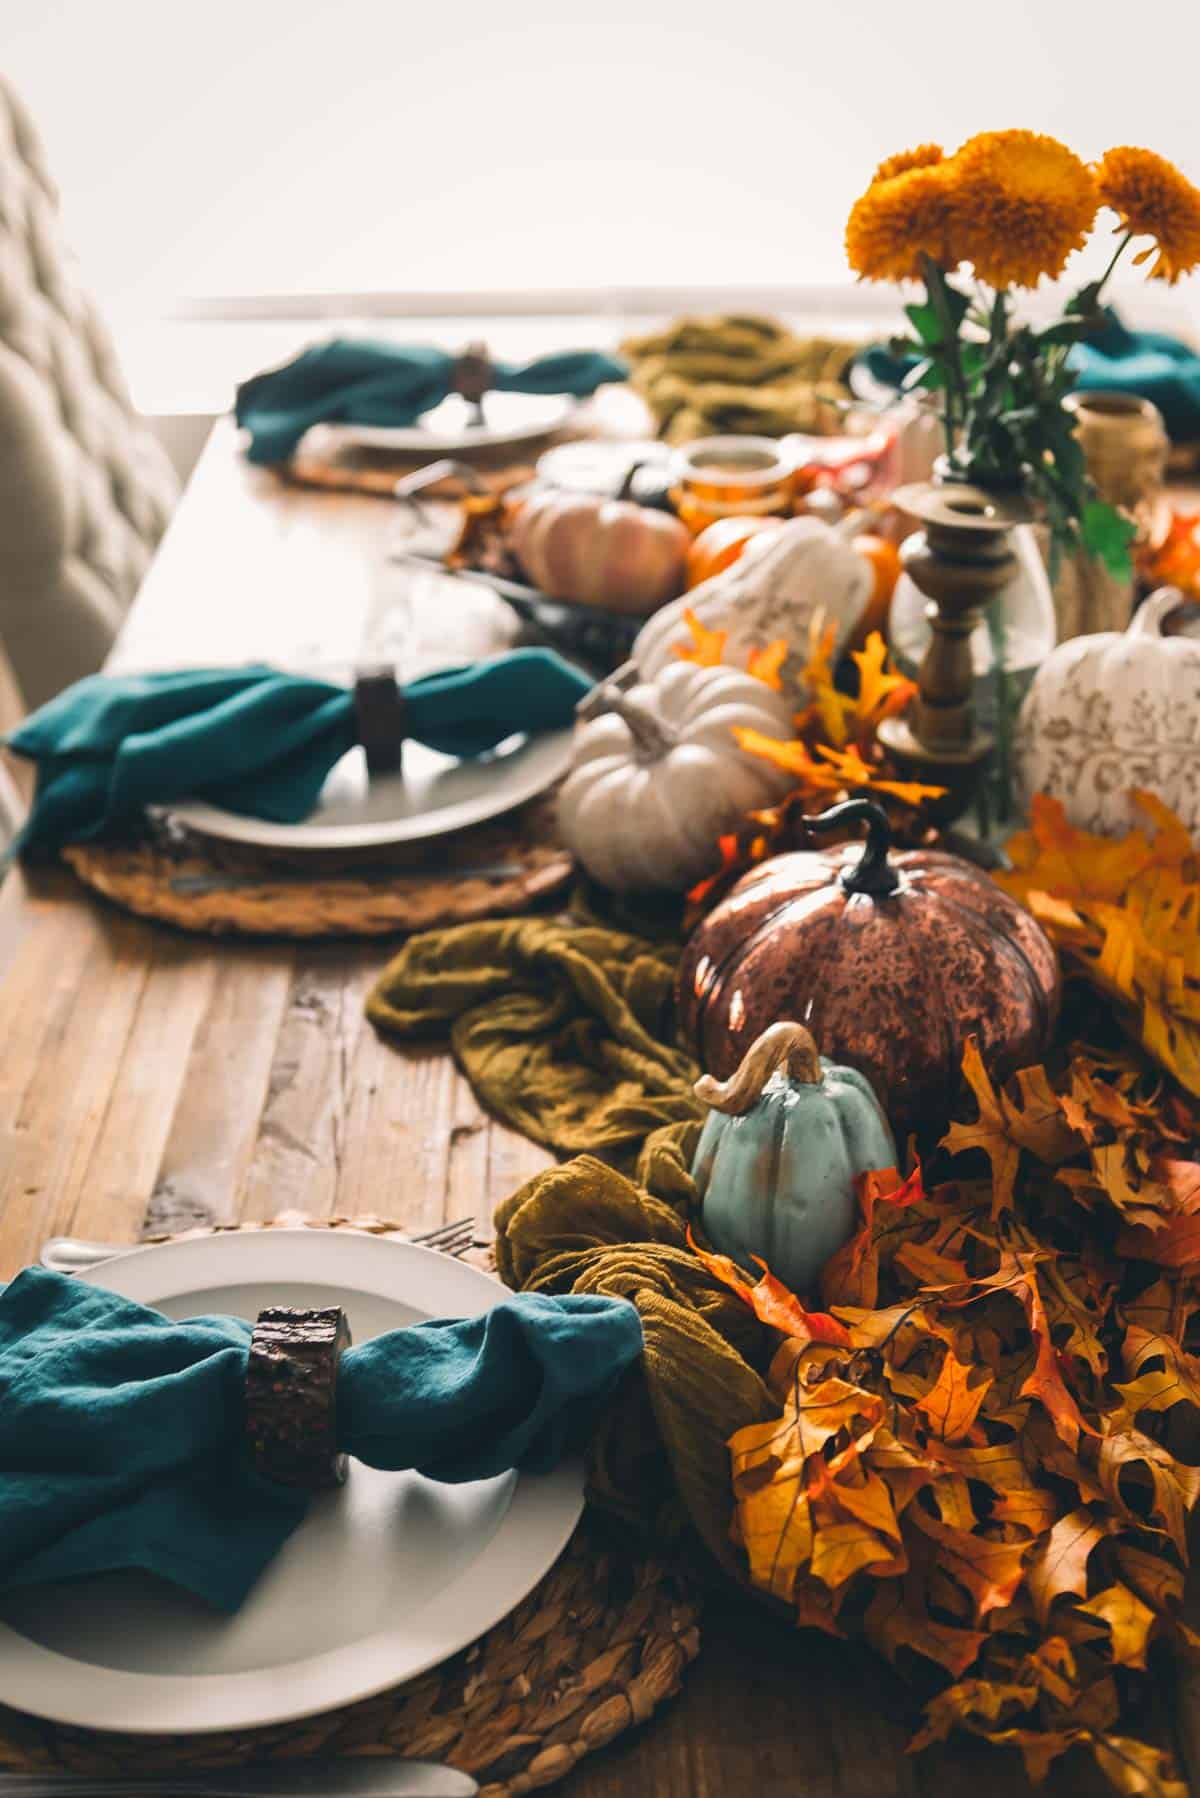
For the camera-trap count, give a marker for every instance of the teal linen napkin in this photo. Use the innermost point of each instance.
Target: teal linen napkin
(121, 1430)
(253, 740)
(1114, 360)
(348, 381)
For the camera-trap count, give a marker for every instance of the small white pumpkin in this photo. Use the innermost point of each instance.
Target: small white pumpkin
(1114, 711)
(781, 579)
(658, 776)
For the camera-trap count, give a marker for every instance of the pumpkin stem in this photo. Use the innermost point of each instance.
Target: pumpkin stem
(873, 873)
(786, 1044)
(652, 736)
(1154, 611)
(625, 490)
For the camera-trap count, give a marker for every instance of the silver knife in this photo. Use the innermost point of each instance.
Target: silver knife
(372, 1776)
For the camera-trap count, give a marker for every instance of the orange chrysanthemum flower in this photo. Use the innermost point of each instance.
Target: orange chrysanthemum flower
(923, 157)
(898, 220)
(1152, 199)
(1026, 202)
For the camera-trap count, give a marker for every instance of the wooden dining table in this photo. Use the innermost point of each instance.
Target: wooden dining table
(151, 1081)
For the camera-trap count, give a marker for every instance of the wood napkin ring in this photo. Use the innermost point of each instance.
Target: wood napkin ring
(473, 375)
(379, 714)
(291, 1396)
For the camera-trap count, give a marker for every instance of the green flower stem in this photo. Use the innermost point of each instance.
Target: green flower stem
(951, 355)
(1116, 257)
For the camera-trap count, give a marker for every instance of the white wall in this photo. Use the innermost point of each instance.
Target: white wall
(235, 146)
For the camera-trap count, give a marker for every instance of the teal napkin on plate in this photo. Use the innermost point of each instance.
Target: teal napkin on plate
(1113, 360)
(253, 740)
(121, 1430)
(349, 381)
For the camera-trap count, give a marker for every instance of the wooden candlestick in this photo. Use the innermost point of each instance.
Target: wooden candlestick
(960, 560)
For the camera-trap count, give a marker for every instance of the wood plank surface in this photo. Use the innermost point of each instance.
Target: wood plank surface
(149, 1081)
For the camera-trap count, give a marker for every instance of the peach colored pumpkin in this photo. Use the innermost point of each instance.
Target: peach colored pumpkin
(601, 552)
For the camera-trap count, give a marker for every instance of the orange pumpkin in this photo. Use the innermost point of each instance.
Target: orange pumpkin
(592, 551)
(884, 559)
(720, 544)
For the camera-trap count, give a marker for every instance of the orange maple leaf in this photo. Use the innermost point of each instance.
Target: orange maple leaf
(1060, 1563)
(952, 1403)
(707, 647)
(853, 771)
(1129, 1623)
(1126, 911)
(766, 664)
(1005, 1126)
(882, 693)
(770, 1300)
(851, 1275)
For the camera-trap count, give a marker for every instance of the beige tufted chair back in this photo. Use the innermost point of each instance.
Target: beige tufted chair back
(85, 488)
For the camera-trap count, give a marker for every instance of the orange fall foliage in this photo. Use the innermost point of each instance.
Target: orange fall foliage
(968, 1464)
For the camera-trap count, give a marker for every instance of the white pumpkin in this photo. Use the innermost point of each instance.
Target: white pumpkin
(1114, 711)
(781, 579)
(658, 777)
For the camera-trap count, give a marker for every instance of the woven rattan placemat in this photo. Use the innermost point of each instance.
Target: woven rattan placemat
(597, 1646)
(201, 884)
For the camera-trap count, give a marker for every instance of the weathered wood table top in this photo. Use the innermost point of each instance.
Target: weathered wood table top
(149, 1081)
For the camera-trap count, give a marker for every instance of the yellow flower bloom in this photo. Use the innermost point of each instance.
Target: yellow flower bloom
(1025, 202)
(1152, 199)
(900, 218)
(923, 157)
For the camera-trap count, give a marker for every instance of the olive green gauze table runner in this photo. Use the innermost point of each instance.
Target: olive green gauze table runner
(566, 1033)
(562, 1030)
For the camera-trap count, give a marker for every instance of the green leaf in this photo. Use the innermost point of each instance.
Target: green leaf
(1084, 303)
(927, 374)
(1107, 535)
(1067, 331)
(924, 321)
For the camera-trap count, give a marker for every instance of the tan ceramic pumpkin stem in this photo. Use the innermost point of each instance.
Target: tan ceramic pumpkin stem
(651, 736)
(1153, 612)
(789, 1044)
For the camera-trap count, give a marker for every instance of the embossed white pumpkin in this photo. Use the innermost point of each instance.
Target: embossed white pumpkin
(1114, 711)
(658, 776)
(773, 590)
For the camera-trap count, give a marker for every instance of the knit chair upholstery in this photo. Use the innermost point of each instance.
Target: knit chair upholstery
(86, 490)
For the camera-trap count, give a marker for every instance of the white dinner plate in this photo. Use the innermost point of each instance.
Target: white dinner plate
(508, 418)
(434, 794)
(383, 1579)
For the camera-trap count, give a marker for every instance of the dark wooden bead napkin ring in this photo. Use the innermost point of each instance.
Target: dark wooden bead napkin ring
(291, 1396)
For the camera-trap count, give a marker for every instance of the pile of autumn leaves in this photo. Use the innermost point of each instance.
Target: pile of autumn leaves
(971, 1461)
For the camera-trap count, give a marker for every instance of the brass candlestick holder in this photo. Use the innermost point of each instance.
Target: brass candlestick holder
(959, 560)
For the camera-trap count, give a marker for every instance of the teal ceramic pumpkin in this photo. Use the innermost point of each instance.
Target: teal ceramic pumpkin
(786, 1139)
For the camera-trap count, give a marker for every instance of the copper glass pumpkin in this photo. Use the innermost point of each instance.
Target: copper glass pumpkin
(891, 959)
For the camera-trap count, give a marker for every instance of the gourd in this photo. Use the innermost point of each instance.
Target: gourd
(657, 776)
(884, 559)
(892, 959)
(589, 550)
(720, 544)
(782, 579)
(1113, 711)
(787, 1137)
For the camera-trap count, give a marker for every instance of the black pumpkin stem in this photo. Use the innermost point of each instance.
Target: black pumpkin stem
(874, 873)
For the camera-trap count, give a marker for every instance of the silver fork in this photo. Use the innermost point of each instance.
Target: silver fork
(74, 1255)
(325, 1777)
